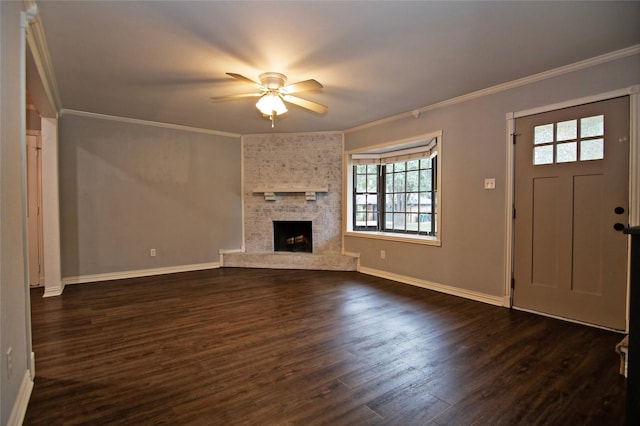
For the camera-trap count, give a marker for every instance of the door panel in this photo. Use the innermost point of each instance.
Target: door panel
(588, 235)
(572, 171)
(545, 230)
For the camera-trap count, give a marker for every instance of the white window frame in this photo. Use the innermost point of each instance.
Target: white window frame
(386, 150)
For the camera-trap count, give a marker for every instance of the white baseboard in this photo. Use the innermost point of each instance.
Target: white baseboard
(139, 273)
(442, 288)
(32, 368)
(22, 401)
(225, 251)
(53, 291)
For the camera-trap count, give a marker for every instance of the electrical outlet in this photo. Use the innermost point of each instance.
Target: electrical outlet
(9, 363)
(490, 183)
(383, 254)
(152, 252)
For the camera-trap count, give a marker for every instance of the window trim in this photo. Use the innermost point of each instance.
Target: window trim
(386, 149)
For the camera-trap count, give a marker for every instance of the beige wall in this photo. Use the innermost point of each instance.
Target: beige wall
(472, 256)
(126, 188)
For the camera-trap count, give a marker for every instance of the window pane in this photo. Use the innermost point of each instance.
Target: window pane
(398, 167)
(398, 182)
(425, 163)
(361, 202)
(372, 169)
(389, 182)
(425, 202)
(567, 152)
(412, 165)
(372, 202)
(372, 183)
(372, 219)
(412, 222)
(388, 221)
(543, 134)
(543, 155)
(592, 149)
(567, 130)
(592, 126)
(398, 221)
(361, 168)
(388, 203)
(425, 180)
(425, 222)
(398, 202)
(412, 181)
(412, 202)
(361, 183)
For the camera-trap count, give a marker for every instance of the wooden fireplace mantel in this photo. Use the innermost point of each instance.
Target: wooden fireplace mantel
(271, 191)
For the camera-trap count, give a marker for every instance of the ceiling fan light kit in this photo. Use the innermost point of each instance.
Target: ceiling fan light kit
(273, 93)
(271, 104)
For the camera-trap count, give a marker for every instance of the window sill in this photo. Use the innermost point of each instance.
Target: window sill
(389, 236)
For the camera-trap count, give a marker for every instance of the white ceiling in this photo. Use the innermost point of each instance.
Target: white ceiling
(163, 60)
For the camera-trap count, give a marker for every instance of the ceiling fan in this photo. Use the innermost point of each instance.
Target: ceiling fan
(273, 92)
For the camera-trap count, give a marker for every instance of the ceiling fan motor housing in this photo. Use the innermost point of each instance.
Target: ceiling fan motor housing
(273, 80)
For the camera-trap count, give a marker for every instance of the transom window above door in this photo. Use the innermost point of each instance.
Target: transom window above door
(581, 139)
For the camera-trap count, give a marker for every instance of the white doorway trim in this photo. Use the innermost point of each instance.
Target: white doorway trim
(634, 168)
(53, 285)
(50, 105)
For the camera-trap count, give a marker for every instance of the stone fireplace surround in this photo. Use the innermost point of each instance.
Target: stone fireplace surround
(292, 165)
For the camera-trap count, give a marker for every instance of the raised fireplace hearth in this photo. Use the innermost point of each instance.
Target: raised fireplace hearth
(292, 236)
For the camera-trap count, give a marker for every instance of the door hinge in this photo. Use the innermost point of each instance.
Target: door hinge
(514, 136)
(514, 212)
(513, 283)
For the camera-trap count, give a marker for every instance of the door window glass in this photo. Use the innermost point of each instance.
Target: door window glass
(569, 141)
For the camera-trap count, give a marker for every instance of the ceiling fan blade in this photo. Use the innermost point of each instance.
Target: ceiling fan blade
(231, 97)
(244, 79)
(313, 106)
(301, 87)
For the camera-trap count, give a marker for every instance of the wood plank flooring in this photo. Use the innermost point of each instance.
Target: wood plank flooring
(270, 347)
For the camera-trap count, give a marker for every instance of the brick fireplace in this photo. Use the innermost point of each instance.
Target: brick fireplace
(295, 178)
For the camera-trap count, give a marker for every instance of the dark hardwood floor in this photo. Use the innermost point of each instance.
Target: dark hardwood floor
(253, 346)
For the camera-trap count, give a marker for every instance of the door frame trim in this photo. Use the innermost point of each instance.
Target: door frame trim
(634, 170)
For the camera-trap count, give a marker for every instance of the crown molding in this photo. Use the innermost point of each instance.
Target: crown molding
(146, 123)
(587, 63)
(40, 52)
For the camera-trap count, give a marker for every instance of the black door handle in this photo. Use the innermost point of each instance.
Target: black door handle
(618, 210)
(618, 226)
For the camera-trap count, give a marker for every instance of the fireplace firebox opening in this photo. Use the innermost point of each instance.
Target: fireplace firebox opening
(292, 235)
